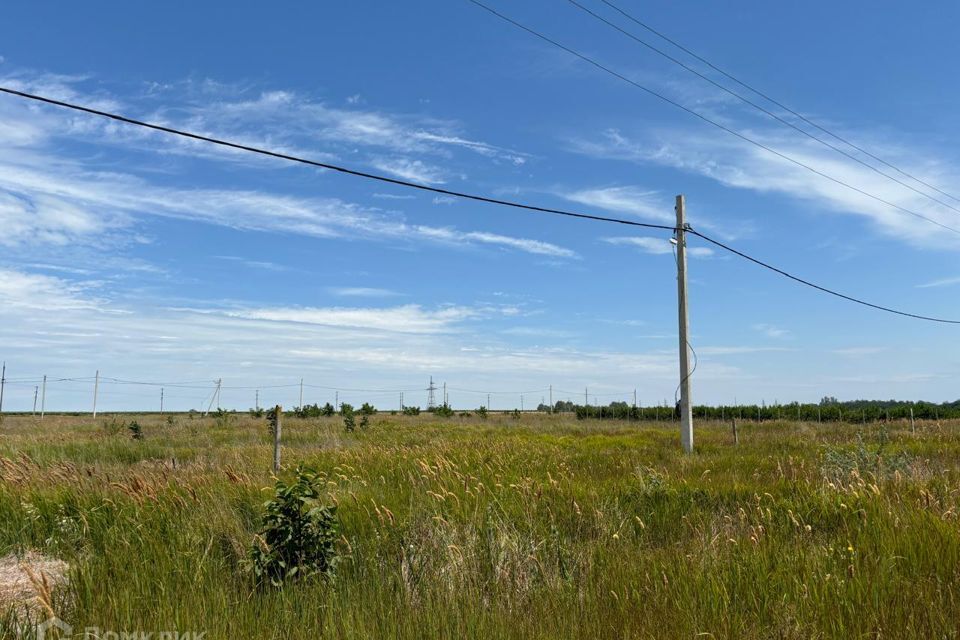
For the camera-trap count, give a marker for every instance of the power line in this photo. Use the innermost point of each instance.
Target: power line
(767, 97)
(323, 165)
(761, 108)
(708, 120)
(816, 286)
(507, 203)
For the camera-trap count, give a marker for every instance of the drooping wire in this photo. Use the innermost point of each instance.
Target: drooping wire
(802, 281)
(324, 165)
(767, 97)
(508, 203)
(710, 121)
(766, 111)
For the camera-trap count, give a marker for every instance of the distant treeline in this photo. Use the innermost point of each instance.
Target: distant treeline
(827, 410)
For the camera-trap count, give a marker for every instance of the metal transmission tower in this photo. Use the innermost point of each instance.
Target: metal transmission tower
(431, 400)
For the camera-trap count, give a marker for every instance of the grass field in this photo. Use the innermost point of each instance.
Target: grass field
(543, 527)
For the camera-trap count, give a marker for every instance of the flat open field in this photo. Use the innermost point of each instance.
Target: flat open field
(542, 527)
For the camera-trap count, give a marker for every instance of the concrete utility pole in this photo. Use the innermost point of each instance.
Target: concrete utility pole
(3, 381)
(96, 387)
(256, 401)
(161, 400)
(551, 398)
(686, 417)
(488, 401)
(301, 393)
(35, 390)
(586, 397)
(43, 397)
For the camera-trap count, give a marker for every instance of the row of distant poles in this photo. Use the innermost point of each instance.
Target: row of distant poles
(40, 394)
(686, 414)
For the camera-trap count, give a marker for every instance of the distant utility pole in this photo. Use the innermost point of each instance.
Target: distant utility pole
(444, 394)
(431, 400)
(586, 397)
(215, 396)
(521, 402)
(35, 390)
(3, 381)
(256, 401)
(96, 387)
(161, 400)
(686, 417)
(488, 401)
(43, 397)
(634, 398)
(336, 400)
(551, 398)
(301, 393)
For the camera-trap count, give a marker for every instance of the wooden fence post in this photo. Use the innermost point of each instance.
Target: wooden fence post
(276, 419)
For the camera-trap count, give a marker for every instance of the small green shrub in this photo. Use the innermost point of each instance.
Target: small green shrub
(411, 411)
(256, 412)
(136, 432)
(367, 409)
(298, 538)
(444, 411)
(364, 421)
(482, 412)
(349, 422)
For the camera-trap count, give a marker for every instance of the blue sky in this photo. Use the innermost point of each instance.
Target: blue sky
(151, 258)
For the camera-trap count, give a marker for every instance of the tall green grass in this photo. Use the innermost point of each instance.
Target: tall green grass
(543, 528)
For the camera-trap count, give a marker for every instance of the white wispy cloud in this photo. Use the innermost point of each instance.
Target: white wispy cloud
(772, 331)
(657, 246)
(739, 164)
(363, 292)
(410, 318)
(858, 351)
(631, 200)
(412, 170)
(942, 282)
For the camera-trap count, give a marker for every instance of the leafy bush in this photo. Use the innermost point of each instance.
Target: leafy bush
(257, 412)
(364, 421)
(516, 414)
(367, 409)
(346, 408)
(298, 538)
(482, 412)
(349, 423)
(411, 411)
(444, 411)
(308, 411)
(328, 410)
(136, 432)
